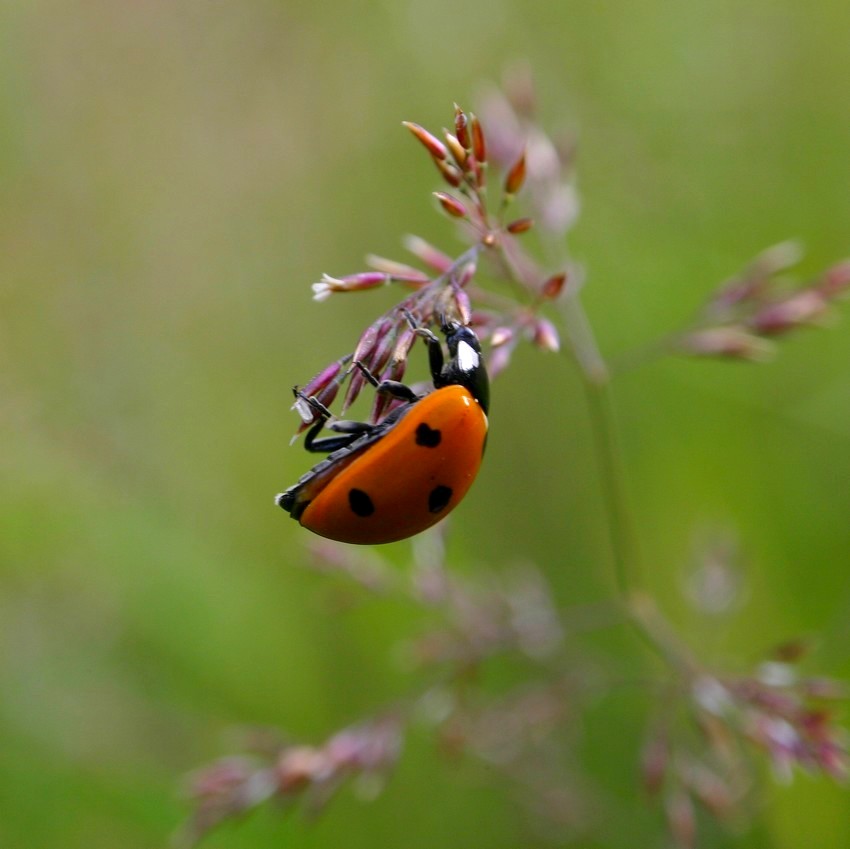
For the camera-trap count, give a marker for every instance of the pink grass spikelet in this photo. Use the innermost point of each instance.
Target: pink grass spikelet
(500, 358)
(356, 383)
(427, 253)
(351, 283)
(383, 404)
(366, 345)
(396, 270)
(453, 301)
(368, 340)
(751, 284)
(299, 766)
(323, 289)
(465, 274)
(546, 335)
(804, 307)
(383, 349)
(726, 342)
(501, 336)
(836, 281)
(325, 378)
(324, 387)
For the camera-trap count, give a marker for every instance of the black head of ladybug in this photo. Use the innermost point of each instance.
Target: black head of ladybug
(466, 364)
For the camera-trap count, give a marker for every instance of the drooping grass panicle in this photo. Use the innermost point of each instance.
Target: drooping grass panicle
(704, 722)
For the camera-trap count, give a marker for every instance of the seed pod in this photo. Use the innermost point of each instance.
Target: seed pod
(456, 149)
(451, 174)
(479, 147)
(516, 176)
(433, 145)
(521, 225)
(451, 205)
(461, 127)
(791, 651)
(553, 286)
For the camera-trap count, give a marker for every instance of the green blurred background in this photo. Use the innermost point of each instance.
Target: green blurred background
(174, 176)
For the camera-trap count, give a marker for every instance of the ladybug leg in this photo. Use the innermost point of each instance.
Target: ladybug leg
(435, 349)
(318, 408)
(397, 390)
(435, 353)
(388, 387)
(350, 430)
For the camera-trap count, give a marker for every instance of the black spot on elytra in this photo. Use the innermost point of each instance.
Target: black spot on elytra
(439, 498)
(427, 436)
(360, 503)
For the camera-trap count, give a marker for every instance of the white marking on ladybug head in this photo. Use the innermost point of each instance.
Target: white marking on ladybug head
(467, 356)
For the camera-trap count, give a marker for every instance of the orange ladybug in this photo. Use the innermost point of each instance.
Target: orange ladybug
(388, 481)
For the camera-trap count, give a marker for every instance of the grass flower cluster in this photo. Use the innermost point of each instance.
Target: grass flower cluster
(707, 729)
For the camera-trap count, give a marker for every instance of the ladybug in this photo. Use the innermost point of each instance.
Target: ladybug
(388, 481)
